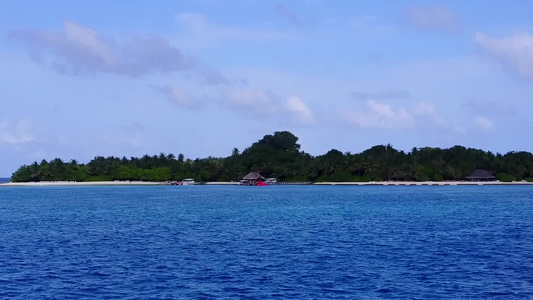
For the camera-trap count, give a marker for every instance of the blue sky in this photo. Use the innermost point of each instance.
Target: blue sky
(127, 78)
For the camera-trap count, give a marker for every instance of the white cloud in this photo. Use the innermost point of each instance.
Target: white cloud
(422, 115)
(435, 17)
(264, 104)
(300, 112)
(380, 115)
(483, 124)
(78, 50)
(514, 52)
(428, 110)
(16, 135)
(89, 39)
(249, 102)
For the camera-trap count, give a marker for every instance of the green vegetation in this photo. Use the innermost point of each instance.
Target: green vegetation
(279, 156)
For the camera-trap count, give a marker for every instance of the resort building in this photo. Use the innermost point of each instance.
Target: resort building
(252, 178)
(481, 175)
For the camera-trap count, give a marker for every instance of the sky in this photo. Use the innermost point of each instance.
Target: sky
(80, 79)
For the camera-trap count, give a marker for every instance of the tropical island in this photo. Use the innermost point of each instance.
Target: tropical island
(279, 156)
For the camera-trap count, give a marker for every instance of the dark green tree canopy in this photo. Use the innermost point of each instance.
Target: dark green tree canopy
(281, 140)
(279, 155)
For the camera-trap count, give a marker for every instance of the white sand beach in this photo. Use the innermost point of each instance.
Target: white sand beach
(374, 183)
(75, 183)
(421, 183)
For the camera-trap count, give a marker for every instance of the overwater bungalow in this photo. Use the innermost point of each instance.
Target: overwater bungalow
(252, 178)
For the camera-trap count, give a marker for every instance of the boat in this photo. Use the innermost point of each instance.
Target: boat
(271, 181)
(188, 181)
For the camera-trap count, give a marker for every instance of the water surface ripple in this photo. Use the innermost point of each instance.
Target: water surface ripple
(284, 242)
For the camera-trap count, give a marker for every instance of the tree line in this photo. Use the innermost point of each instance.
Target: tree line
(279, 156)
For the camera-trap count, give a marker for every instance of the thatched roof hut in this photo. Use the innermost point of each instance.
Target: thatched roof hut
(253, 176)
(481, 175)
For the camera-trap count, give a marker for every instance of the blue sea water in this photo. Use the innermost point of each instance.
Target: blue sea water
(283, 242)
(4, 180)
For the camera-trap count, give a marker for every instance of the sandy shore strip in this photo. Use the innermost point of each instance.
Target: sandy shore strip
(369, 183)
(421, 183)
(75, 183)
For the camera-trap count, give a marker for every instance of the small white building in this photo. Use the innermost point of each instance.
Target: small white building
(188, 181)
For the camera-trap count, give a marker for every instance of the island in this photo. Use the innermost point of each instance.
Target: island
(279, 156)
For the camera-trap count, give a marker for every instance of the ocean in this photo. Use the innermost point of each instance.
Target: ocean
(4, 180)
(283, 242)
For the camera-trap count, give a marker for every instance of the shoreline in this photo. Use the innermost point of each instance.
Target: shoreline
(75, 183)
(369, 183)
(426, 183)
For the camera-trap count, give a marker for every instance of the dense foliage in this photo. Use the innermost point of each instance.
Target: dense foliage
(279, 156)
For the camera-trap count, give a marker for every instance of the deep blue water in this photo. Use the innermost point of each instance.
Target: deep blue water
(4, 180)
(287, 242)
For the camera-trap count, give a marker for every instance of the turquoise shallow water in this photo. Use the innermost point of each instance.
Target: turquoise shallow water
(288, 242)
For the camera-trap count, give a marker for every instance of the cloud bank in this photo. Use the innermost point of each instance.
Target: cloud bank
(261, 103)
(422, 116)
(300, 112)
(248, 102)
(514, 52)
(379, 116)
(16, 135)
(78, 50)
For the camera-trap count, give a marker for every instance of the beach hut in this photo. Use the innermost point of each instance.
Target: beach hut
(252, 178)
(481, 175)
